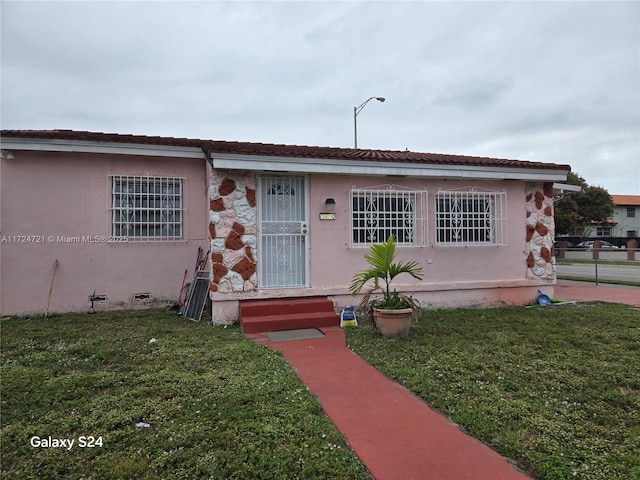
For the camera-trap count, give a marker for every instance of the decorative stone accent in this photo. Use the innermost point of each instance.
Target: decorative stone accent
(239, 229)
(217, 245)
(219, 271)
(540, 231)
(232, 216)
(234, 241)
(231, 257)
(217, 205)
(246, 213)
(530, 230)
(225, 223)
(226, 187)
(539, 199)
(236, 281)
(245, 268)
(251, 197)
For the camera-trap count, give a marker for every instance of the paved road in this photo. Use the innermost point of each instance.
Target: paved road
(629, 273)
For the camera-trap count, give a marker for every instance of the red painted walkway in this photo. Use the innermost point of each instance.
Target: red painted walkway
(590, 292)
(396, 435)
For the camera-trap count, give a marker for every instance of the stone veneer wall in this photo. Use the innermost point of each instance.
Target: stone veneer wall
(232, 230)
(540, 231)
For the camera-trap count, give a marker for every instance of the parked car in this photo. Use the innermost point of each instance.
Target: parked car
(568, 244)
(589, 245)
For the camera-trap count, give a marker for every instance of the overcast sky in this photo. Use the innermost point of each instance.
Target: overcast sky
(544, 81)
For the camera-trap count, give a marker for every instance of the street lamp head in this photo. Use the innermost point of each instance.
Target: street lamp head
(356, 111)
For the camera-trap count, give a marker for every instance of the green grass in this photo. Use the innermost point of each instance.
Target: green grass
(219, 406)
(600, 280)
(556, 389)
(588, 261)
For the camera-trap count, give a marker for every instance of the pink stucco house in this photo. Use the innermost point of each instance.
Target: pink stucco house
(124, 215)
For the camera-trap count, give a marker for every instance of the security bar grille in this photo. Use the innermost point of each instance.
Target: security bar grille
(147, 208)
(378, 213)
(283, 232)
(471, 218)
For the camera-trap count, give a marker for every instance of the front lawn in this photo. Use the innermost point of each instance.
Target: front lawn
(209, 403)
(556, 389)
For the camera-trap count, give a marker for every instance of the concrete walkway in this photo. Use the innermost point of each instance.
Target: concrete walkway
(590, 292)
(395, 434)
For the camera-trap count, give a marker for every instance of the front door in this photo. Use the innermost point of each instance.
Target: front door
(283, 232)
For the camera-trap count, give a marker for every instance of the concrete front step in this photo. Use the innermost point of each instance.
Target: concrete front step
(257, 316)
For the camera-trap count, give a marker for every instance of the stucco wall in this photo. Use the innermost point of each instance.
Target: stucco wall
(61, 199)
(454, 275)
(442, 264)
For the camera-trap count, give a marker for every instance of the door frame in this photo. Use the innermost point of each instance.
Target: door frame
(260, 253)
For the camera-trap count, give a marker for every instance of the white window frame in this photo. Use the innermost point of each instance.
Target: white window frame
(603, 231)
(470, 217)
(147, 208)
(374, 214)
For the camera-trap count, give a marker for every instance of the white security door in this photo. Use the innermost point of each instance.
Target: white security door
(283, 232)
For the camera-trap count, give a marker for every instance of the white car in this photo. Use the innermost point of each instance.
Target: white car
(589, 245)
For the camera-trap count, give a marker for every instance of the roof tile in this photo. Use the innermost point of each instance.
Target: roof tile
(278, 150)
(624, 200)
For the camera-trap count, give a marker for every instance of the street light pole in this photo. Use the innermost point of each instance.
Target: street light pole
(356, 111)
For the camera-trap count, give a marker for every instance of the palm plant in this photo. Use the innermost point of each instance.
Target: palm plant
(382, 268)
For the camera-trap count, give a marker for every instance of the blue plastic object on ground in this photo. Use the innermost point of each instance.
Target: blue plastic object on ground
(543, 299)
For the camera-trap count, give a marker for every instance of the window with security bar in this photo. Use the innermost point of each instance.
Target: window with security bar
(376, 214)
(147, 208)
(471, 218)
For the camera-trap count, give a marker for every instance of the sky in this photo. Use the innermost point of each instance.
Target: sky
(555, 82)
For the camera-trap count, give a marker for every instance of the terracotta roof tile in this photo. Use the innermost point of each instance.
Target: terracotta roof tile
(626, 199)
(101, 137)
(300, 151)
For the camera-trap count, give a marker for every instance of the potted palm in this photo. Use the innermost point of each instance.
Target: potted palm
(392, 313)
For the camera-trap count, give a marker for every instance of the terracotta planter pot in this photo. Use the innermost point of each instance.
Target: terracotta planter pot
(393, 323)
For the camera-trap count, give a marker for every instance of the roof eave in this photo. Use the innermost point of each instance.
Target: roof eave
(80, 146)
(360, 167)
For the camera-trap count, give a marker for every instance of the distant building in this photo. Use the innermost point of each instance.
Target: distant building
(626, 215)
(625, 221)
